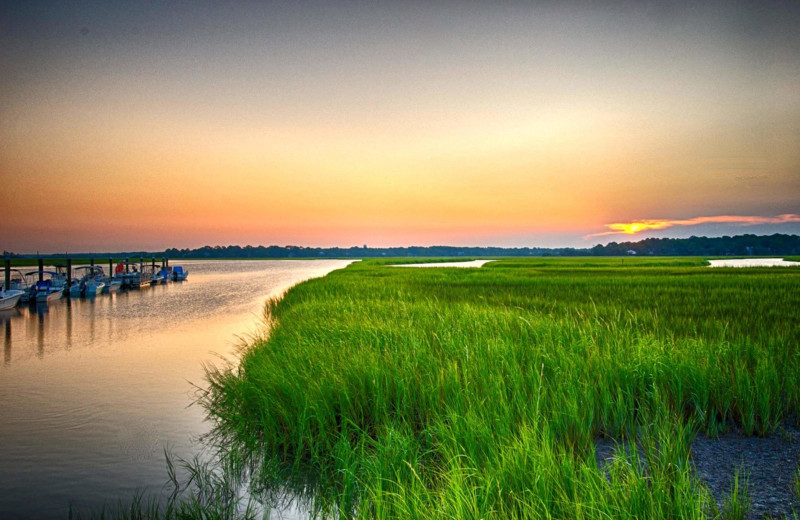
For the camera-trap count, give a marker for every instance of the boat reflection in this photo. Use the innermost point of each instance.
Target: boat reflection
(7, 343)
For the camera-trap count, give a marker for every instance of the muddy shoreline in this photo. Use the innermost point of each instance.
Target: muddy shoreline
(769, 466)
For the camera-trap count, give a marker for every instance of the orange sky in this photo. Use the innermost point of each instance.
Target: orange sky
(139, 129)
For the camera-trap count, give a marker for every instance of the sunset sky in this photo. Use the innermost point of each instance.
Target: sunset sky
(147, 125)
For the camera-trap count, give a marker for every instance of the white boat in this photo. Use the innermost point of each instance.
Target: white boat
(50, 288)
(112, 285)
(10, 298)
(46, 292)
(58, 278)
(19, 282)
(93, 287)
(90, 284)
(30, 288)
(76, 288)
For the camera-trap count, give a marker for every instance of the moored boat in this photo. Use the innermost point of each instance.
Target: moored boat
(93, 281)
(29, 295)
(179, 274)
(165, 275)
(19, 282)
(93, 287)
(46, 291)
(112, 285)
(157, 278)
(76, 288)
(132, 275)
(9, 298)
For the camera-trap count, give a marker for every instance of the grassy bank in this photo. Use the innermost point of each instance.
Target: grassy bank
(477, 393)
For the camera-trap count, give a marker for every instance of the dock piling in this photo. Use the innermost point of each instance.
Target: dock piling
(69, 272)
(7, 263)
(41, 269)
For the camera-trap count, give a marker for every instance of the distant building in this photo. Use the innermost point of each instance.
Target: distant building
(631, 252)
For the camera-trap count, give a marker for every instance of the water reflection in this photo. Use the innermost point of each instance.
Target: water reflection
(101, 386)
(7, 343)
(41, 310)
(68, 344)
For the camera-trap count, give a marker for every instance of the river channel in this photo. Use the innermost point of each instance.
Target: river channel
(93, 391)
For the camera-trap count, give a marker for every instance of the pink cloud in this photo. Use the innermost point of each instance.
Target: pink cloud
(637, 226)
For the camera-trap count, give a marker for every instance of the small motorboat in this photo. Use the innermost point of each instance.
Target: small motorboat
(165, 275)
(9, 298)
(112, 285)
(76, 288)
(47, 292)
(93, 281)
(28, 285)
(179, 274)
(59, 277)
(93, 287)
(19, 282)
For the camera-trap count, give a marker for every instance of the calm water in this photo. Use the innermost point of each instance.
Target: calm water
(753, 262)
(470, 263)
(91, 392)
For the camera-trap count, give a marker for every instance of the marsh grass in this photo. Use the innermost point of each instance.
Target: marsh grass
(478, 393)
(737, 503)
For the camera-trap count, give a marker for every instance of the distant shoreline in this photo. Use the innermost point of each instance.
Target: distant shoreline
(740, 245)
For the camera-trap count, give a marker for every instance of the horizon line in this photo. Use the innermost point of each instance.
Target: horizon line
(10, 254)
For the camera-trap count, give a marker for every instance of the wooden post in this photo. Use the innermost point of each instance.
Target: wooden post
(69, 272)
(110, 268)
(153, 263)
(91, 262)
(41, 268)
(8, 273)
(127, 267)
(167, 261)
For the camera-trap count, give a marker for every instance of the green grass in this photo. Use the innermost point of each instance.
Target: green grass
(478, 393)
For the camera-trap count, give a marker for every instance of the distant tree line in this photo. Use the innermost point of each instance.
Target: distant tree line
(740, 245)
(362, 252)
